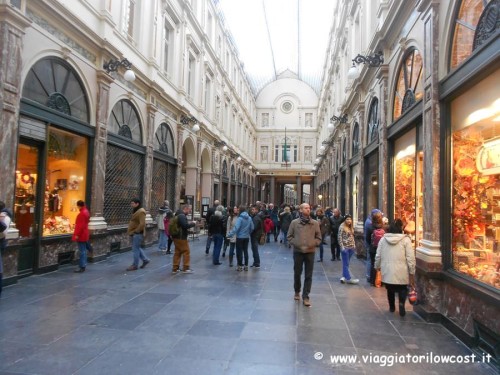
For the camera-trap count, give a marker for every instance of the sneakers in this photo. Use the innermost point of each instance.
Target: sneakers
(342, 280)
(246, 268)
(353, 281)
(306, 302)
(168, 252)
(145, 262)
(189, 270)
(79, 270)
(320, 260)
(132, 268)
(176, 271)
(296, 297)
(239, 269)
(255, 265)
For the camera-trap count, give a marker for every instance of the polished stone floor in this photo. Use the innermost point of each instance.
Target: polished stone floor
(214, 321)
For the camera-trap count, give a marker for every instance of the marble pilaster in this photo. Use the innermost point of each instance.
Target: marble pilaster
(148, 167)
(12, 29)
(97, 221)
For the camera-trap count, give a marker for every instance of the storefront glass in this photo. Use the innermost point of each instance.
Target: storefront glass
(476, 182)
(65, 182)
(408, 185)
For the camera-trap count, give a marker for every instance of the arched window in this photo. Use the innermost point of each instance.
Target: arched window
(239, 176)
(163, 140)
(409, 88)
(233, 173)
(125, 122)
(53, 83)
(164, 168)
(344, 151)
(373, 122)
(475, 22)
(355, 139)
(224, 168)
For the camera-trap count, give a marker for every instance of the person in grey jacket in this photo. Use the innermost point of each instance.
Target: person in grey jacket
(304, 235)
(396, 259)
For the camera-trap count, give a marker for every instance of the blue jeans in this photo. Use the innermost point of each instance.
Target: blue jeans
(254, 242)
(242, 251)
(137, 249)
(218, 241)
(321, 248)
(285, 233)
(368, 263)
(82, 248)
(162, 244)
(346, 258)
(209, 242)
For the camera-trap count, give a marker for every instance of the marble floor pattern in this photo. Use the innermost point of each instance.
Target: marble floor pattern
(214, 321)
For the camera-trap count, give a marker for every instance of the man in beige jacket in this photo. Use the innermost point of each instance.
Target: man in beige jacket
(304, 235)
(137, 229)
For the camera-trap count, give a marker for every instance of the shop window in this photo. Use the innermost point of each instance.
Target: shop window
(408, 188)
(53, 83)
(124, 167)
(65, 181)
(476, 182)
(373, 122)
(123, 182)
(163, 185)
(409, 89)
(467, 35)
(355, 139)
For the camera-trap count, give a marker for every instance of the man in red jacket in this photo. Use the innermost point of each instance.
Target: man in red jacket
(81, 235)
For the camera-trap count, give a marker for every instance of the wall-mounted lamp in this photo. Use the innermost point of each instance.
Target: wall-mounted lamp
(322, 148)
(188, 120)
(239, 158)
(331, 125)
(250, 167)
(113, 65)
(373, 61)
(320, 197)
(341, 119)
(221, 143)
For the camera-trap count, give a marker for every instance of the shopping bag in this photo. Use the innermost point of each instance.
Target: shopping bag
(378, 279)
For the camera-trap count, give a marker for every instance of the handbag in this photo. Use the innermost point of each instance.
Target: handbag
(378, 279)
(413, 296)
(262, 239)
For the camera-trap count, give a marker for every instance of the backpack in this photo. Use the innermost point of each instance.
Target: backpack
(377, 236)
(174, 228)
(3, 228)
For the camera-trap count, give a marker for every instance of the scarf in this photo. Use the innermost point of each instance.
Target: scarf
(304, 220)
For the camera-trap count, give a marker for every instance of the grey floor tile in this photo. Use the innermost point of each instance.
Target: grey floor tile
(270, 332)
(264, 352)
(213, 328)
(215, 321)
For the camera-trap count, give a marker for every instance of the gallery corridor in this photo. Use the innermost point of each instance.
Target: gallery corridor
(214, 321)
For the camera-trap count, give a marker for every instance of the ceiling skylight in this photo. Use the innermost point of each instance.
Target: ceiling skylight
(273, 36)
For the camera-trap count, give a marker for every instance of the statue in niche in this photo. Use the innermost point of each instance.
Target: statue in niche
(263, 153)
(308, 154)
(216, 163)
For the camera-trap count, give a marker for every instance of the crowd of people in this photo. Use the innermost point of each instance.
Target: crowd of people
(390, 256)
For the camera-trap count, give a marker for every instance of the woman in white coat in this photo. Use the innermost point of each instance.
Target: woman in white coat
(396, 259)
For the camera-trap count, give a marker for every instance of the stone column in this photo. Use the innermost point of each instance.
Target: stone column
(272, 191)
(383, 173)
(12, 29)
(299, 189)
(97, 221)
(180, 145)
(148, 165)
(429, 255)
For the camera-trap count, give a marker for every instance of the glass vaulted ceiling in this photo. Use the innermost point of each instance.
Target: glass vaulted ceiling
(273, 36)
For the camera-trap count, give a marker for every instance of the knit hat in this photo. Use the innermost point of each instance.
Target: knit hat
(375, 211)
